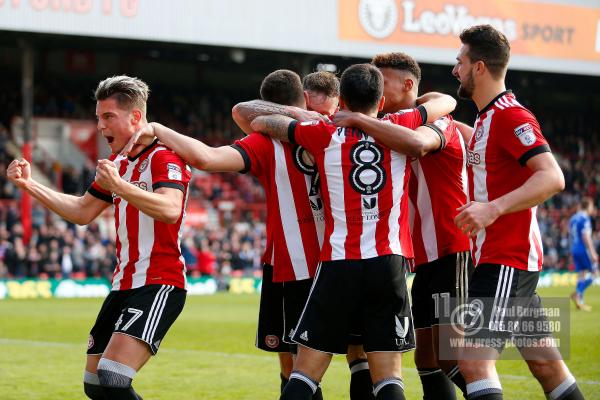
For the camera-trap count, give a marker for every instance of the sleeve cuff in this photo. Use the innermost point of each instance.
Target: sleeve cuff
(172, 185)
(292, 132)
(423, 112)
(99, 195)
(245, 156)
(544, 148)
(437, 130)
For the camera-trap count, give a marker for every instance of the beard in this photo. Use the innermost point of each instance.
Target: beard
(465, 90)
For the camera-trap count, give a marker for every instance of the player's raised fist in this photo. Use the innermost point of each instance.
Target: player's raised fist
(19, 172)
(107, 175)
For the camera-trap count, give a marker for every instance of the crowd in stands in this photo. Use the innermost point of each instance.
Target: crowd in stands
(226, 235)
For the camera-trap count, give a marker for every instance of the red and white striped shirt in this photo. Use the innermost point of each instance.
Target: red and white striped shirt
(438, 186)
(148, 251)
(364, 189)
(506, 135)
(294, 207)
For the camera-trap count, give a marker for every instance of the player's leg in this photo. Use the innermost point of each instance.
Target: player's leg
(270, 331)
(387, 323)
(147, 315)
(324, 324)
(98, 339)
(295, 295)
(434, 381)
(450, 285)
(490, 284)
(361, 385)
(544, 359)
(583, 267)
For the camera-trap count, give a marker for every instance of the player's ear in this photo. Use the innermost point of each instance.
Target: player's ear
(306, 97)
(136, 116)
(381, 103)
(408, 85)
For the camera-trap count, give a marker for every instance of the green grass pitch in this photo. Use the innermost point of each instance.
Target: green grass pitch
(209, 353)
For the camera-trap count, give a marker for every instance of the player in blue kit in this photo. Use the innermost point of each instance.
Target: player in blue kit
(584, 253)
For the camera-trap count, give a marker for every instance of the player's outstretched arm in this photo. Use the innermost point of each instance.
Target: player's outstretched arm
(79, 210)
(437, 105)
(465, 130)
(275, 126)
(414, 143)
(244, 113)
(547, 180)
(163, 205)
(194, 152)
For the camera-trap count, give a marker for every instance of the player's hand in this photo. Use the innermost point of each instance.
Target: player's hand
(475, 216)
(346, 119)
(142, 137)
(305, 115)
(107, 176)
(19, 172)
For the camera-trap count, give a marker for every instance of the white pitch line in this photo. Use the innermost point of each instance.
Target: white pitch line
(23, 342)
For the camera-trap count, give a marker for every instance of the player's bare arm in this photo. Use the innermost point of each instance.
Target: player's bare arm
(275, 126)
(163, 205)
(194, 152)
(415, 143)
(547, 180)
(437, 105)
(79, 210)
(465, 130)
(244, 113)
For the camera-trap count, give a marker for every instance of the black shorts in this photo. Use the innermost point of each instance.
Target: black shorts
(145, 313)
(295, 294)
(437, 282)
(368, 298)
(504, 304)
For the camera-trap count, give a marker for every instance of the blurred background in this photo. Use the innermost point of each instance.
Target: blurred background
(202, 57)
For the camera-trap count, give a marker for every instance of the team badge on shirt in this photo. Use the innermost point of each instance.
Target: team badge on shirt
(173, 172)
(525, 134)
(479, 133)
(143, 166)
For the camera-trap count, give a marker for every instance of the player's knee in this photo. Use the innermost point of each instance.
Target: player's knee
(355, 352)
(91, 386)
(113, 374)
(544, 369)
(424, 357)
(473, 370)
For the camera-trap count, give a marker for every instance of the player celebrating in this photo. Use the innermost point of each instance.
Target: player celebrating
(148, 191)
(437, 189)
(584, 254)
(294, 206)
(360, 287)
(510, 171)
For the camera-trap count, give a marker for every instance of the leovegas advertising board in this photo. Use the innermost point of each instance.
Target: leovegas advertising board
(556, 31)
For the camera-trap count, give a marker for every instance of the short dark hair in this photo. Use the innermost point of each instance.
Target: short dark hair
(129, 92)
(489, 45)
(398, 60)
(282, 87)
(361, 87)
(322, 82)
(586, 202)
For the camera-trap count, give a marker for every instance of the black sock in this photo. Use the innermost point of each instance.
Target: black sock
(94, 392)
(436, 385)
(458, 379)
(284, 382)
(299, 387)
(361, 385)
(115, 393)
(567, 390)
(389, 389)
(484, 389)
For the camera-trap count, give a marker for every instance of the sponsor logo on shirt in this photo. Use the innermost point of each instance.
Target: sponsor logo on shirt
(141, 185)
(473, 158)
(173, 172)
(525, 134)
